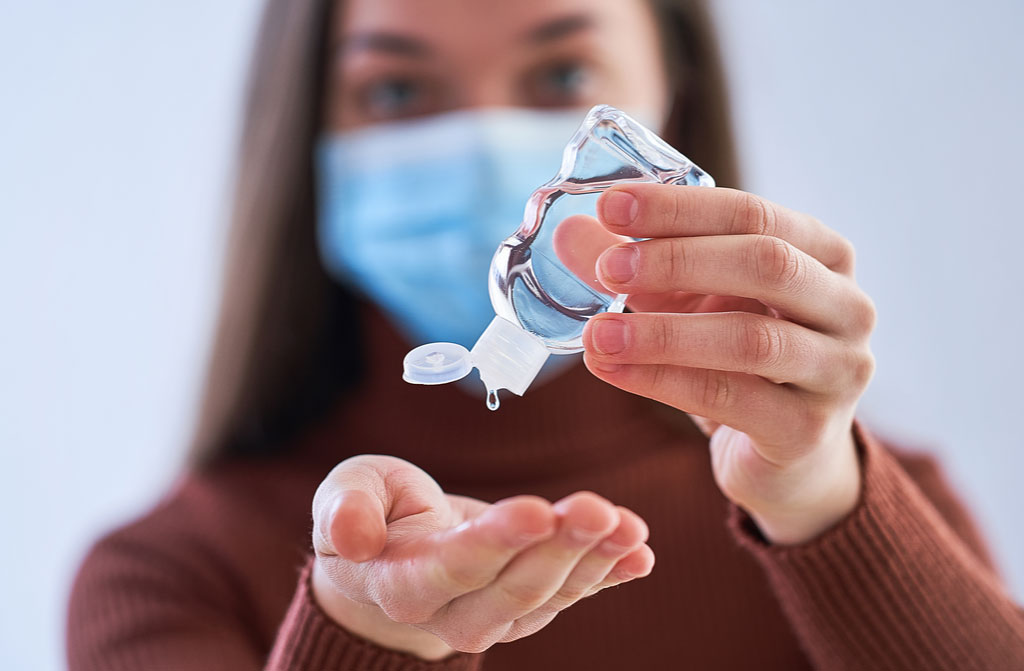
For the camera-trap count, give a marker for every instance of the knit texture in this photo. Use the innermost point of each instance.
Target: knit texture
(891, 586)
(313, 641)
(216, 575)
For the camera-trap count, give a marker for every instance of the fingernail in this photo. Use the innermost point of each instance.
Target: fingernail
(619, 263)
(619, 208)
(610, 336)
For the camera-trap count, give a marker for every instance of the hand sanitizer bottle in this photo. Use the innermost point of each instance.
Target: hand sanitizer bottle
(540, 305)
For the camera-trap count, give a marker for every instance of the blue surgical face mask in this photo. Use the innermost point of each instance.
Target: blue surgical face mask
(411, 212)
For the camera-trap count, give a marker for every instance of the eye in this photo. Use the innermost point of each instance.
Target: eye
(394, 97)
(568, 78)
(560, 85)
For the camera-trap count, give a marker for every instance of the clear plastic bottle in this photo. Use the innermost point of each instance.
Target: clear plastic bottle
(541, 305)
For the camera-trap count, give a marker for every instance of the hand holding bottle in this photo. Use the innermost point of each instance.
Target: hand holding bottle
(748, 317)
(403, 564)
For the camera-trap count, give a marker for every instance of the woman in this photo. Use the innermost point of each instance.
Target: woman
(786, 536)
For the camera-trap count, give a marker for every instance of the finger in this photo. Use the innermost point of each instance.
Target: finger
(578, 242)
(357, 530)
(357, 499)
(775, 349)
(596, 564)
(637, 564)
(767, 269)
(783, 420)
(654, 211)
(535, 575)
(685, 301)
(472, 555)
(594, 567)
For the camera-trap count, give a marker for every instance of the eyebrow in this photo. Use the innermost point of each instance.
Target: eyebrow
(392, 43)
(406, 45)
(559, 28)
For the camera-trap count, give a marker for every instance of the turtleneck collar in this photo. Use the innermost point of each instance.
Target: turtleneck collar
(566, 424)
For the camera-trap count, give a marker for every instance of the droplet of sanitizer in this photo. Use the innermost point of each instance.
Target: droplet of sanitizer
(492, 399)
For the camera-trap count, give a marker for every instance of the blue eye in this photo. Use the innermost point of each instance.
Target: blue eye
(392, 97)
(569, 78)
(560, 85)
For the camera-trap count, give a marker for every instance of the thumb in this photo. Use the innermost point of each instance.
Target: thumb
(578, 241)
(358, 530)
(350, 510)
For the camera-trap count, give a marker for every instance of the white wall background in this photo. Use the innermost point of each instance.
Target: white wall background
(116, 129)
(899, 124)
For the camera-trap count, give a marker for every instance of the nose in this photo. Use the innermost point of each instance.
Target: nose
(487, 87)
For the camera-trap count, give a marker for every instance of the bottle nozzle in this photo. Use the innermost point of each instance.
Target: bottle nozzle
(507, 356)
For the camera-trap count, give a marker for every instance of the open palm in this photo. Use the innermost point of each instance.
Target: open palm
(468, 572)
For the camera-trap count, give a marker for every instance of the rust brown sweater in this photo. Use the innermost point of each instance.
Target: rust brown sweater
(213, 578)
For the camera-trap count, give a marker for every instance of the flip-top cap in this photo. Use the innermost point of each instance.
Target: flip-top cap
(507, 356)
(437, 363)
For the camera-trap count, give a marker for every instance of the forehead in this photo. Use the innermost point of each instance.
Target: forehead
(479, 23)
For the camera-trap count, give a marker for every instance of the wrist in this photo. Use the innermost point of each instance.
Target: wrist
(370, 622)
(827, 490)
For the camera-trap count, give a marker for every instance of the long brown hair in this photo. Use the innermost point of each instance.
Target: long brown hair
(285, 345)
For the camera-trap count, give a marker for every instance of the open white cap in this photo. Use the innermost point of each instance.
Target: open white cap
(507, 356)
(436, 363)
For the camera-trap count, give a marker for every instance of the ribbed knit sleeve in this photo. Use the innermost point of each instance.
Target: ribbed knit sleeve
(892, 586)
(185, 589)
(309, 640)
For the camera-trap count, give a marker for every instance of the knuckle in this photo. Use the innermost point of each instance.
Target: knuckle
(658, 380)
(675, 208)
(523, 597)
(777, 264)
(522, 627)
(756, 215)
(565, 597)
(658, 207)
(863, 370)
(664, 335)
(673, 263)
(763, 345)
(846, 255)
(676, 264)
(866, 314)
(457, 579)
(713, 390)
